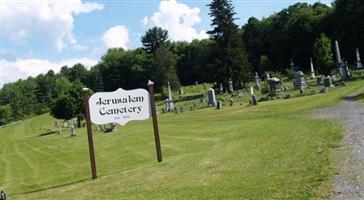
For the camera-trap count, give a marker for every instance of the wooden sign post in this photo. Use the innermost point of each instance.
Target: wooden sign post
(155, 122)
(120, 106)
(89, 132)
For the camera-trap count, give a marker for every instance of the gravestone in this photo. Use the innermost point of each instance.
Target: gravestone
(169, 101)
(181, 91)
(319, 80)
(221, 88)
(324, 89)
(312, 69)
(2, 195)
(211, 98)
(231, 102)
(257, 81)
(328, 82)
(253, 97)
(196, 83)
(231, 87)
(73, 130)
(268, 77)
(218, 105)
(358, 62)
(343, 70)
(299, 82)
(274, 85)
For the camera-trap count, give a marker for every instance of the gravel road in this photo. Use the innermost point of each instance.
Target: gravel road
(349, 182)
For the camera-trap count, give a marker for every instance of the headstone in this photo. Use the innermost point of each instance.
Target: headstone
(299, 81)
(181, 91)
(73, 131)
(169, 105)
(319, 80)
(312, 69)
(324, 89)
(253, 97)
(268, 77)
(358, 61)
(231, 87)
(274, 86)
(2, 195)
(328, 82)
(196, 83)
(211, 98)
(257, 81)
(343, 71)
(218, 105)
(231, 102)
(169, 101)
(221, 88)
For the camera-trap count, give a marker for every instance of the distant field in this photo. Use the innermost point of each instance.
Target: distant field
(272, 151)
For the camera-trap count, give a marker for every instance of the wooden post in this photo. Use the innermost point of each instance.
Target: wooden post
(89, 133)
(155, 122)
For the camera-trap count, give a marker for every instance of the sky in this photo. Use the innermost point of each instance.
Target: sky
(39, 35)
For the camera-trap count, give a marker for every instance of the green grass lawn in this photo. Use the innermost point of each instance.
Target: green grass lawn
(272, 151)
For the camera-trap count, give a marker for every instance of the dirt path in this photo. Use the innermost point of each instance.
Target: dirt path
(349, 182)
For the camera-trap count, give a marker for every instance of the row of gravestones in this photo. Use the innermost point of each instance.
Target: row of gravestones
(274, 83)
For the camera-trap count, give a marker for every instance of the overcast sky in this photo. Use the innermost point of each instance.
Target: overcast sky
(38, 35)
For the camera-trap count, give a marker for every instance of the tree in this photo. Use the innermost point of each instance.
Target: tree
(153, 38)
(322, 51)
(231, 59)
(5, 114)
(69, 104)
(164, 68)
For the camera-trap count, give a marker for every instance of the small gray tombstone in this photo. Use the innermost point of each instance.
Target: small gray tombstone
(299, 82)
(328, 82)
(211, 98)
(221, 88)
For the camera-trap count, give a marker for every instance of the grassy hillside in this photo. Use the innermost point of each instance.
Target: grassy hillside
(272, 151)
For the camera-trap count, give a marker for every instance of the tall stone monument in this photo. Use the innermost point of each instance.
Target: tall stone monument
(231, 87)
(312, 69)
(358, 62)
(257, 81)
(169, 100)
(343, 70)
(211, 98)
(221, 88)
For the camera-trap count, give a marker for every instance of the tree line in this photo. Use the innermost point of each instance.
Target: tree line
(300, 32)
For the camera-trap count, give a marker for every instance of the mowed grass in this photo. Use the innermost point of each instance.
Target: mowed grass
(275, 150)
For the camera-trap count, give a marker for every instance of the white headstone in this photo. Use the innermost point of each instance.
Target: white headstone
(231, 87)
(312, 69)
(358, 61)
(211, 98)
(120, 106)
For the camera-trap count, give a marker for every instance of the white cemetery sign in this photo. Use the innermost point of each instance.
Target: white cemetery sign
(120, 106)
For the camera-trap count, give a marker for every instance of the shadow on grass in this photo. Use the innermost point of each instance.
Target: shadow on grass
(54, 187)
(356, 97)
(48, 133)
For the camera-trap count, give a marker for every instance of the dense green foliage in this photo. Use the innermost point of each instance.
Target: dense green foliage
(291, 33)
(323, 54)
(231, 52)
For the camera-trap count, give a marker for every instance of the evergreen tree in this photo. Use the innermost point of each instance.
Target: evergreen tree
(323, 54)
(231, 60)
(153, 38)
